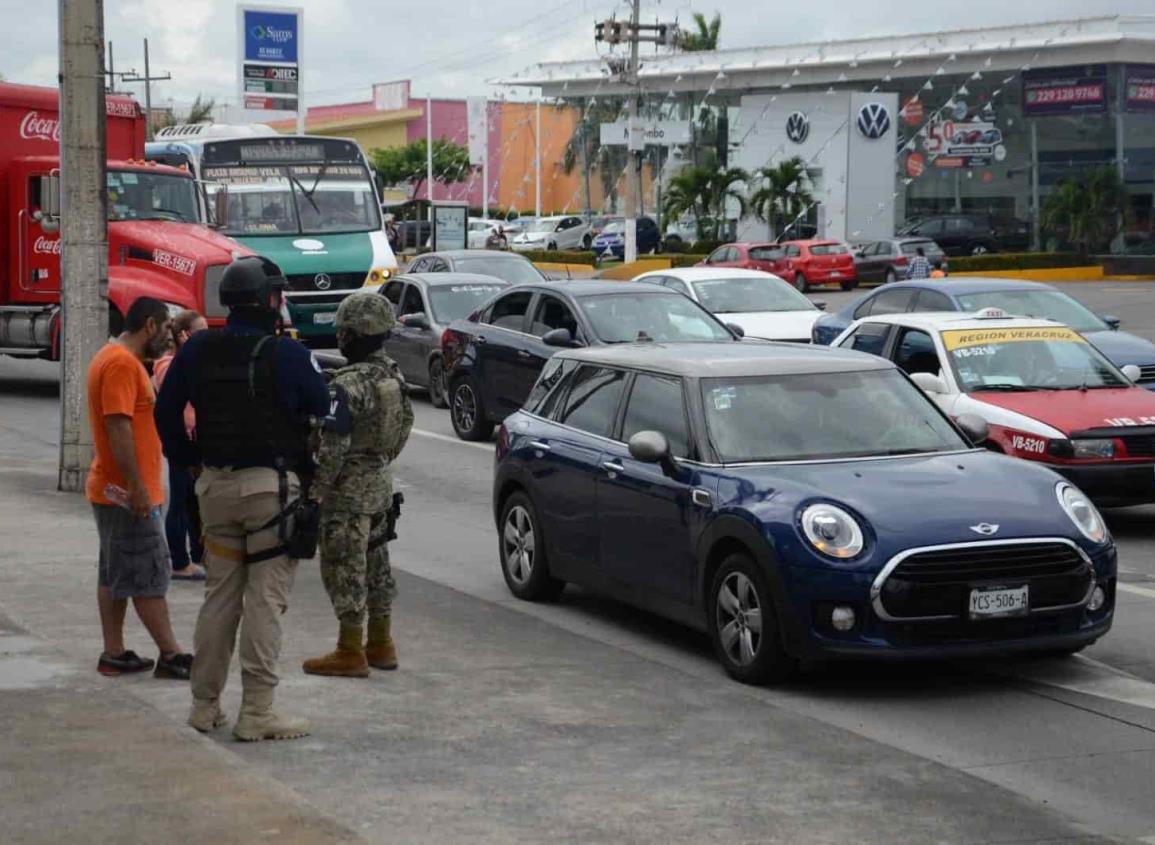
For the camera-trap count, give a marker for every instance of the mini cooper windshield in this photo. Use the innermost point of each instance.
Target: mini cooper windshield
(823, 416)
(1023, 359)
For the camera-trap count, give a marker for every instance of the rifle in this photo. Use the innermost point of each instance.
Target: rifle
(392, 516)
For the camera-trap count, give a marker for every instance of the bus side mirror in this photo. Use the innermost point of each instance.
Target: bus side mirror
(48, 215)
(221, 208)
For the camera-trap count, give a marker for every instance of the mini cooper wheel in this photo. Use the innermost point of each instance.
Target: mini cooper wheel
(523, 557)
(743, 625)
(437, 384)
(467, 412)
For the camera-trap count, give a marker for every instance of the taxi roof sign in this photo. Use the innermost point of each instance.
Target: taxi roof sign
(993, 314)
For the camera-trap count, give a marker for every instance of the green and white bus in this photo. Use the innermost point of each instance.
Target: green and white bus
(309, 203)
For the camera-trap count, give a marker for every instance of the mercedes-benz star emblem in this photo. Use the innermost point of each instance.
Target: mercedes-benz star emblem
(798, 127)
(873, 120)
(323, 281)
(985, 528)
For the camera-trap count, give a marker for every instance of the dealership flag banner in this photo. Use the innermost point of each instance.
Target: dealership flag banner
(1081, 89)
(270, 57)
(477, 114)
(1140, 88)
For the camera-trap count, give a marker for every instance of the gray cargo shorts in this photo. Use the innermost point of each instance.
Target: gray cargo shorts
(134, 559)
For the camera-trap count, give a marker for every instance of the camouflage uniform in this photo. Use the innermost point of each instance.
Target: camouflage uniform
(368, 425)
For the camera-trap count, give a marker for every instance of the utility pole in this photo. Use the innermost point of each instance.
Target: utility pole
(537, 163)
(147, 79)
(84, 226)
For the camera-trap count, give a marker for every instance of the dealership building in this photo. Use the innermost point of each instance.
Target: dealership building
(900, 127)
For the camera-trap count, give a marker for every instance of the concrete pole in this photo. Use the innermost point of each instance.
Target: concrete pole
(537, 163)
(147, 95)
(84, 226)
(1036, 211)
(634, 183)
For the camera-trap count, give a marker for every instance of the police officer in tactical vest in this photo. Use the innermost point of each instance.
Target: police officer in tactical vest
(367, 427)
(254, 393)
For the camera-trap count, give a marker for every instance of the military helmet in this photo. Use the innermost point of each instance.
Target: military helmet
(365, 314)
(249, 280)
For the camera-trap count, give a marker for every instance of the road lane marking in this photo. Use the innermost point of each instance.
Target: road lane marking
(1085, 675)
(433, 435)
(1138, 591)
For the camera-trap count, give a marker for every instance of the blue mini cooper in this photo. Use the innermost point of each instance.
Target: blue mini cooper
(794, 502)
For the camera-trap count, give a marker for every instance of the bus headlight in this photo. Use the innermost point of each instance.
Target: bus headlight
(377, 276)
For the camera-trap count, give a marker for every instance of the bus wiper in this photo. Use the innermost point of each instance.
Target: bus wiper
(308, 194)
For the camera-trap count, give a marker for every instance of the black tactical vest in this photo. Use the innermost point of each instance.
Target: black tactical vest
(240, 422)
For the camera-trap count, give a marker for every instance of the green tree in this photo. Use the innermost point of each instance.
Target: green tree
(407, 164)
(706, 37)
(1088, 211)
(703, 191)
(784, 195)
(584, 148)
(201, 111)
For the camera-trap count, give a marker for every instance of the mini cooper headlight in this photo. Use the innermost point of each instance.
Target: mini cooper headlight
(1082, 512)
(832, 531)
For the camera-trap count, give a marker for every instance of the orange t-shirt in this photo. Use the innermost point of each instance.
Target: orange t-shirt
(118, 384)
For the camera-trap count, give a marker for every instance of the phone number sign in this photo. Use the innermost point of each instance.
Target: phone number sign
(1071, 90)
(1140, 88)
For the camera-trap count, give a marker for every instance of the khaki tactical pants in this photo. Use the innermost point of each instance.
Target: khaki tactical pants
(234, 505)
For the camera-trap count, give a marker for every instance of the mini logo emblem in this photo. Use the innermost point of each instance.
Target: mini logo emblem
(798, 127)
(873, 120)
(985, 528)
(323, 281)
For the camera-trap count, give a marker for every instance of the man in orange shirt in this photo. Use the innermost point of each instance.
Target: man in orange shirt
(125, 489)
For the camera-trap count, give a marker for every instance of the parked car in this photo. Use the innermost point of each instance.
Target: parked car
(612, 240)
(479, 231)
(598, 222)
(1025, 299)
(493, 358)
(768, 257)
(765, 493)
(413, 234)
(425, 304)
(971, 234)
(1047, 394)
(819, 263)
(554, 233)
(516, 269)
(888, 261)
(761, 304)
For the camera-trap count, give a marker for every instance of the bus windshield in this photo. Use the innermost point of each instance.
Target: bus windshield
(140, 195)
(298, 199)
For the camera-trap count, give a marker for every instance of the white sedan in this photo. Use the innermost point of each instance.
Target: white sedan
(761, 304)
(552, 233)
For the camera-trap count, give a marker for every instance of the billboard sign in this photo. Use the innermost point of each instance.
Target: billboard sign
(1140, 88)
(1066, 90)
(659, 133)
(270, 57)
(975, 143)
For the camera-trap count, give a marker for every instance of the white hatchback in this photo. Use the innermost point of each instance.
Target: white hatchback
(761, 304)
(554, 233)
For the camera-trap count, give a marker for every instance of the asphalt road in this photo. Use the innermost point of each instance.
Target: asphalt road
(1077, 735)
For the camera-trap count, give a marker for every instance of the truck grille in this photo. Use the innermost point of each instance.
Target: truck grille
(1147, 374)
(1140, 445)
(325, 281)
(937, 583)
(213, 275)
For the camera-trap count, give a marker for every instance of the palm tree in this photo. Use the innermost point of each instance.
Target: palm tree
(703, 191)
(706, 38)
(584, 147)
(1087, 211)
(201, 111)
(784, 196)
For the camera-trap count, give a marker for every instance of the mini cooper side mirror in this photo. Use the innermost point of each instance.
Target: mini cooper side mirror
(975, 428)
(651, 447)
(929, 383)
(559, 337)
(1133, 373)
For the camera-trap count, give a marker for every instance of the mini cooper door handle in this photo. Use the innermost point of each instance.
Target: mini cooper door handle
(612, 466)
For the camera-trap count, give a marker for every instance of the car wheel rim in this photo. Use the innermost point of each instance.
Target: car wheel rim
(979, 250)
(739, 615)
(464, 407)
(519, 545)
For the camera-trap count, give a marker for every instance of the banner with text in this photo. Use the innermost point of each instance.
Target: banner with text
(1140, 88)
(477, 121)
(1065, 90)
(270, 54)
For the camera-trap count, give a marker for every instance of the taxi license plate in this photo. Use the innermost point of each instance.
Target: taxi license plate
(325, 318)
(993, 602)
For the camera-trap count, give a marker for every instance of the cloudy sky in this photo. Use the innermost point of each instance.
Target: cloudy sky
(452, 47)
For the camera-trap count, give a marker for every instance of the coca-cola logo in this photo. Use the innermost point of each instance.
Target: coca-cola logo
(46, 246)
(33, 126)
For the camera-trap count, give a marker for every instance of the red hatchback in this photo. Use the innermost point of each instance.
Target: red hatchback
(819, 263)
(769, 258)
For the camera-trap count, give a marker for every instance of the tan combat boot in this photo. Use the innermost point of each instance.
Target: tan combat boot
(348, 661)
(206, 714)
(379, 650)
(259, 721)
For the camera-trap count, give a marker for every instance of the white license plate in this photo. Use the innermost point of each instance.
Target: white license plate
(325, 318)
(835, 275)
(990, 602)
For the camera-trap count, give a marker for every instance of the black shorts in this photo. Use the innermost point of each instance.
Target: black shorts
(134, 559)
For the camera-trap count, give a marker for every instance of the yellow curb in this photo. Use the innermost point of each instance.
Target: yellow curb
(562, 267)
(1129, 278)
(1055, 274)
(625, 272)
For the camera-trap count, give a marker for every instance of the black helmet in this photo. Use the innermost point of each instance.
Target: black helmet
(249, 280)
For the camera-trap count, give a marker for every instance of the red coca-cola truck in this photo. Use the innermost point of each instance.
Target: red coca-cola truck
(158, 243)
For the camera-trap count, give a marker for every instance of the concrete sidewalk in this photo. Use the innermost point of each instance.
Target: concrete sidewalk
(498, 728)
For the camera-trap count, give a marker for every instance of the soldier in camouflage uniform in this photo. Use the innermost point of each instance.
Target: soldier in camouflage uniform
(368, 424)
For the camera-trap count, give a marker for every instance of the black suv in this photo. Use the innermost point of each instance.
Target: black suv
(971, 234)
(493, 357)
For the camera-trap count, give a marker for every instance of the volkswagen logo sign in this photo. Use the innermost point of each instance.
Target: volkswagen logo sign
(873, 120)
(323, 281)
(798, 127)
